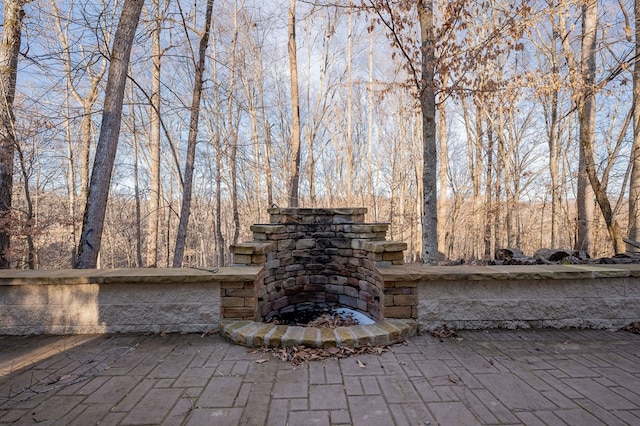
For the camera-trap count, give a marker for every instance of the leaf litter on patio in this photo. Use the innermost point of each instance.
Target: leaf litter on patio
(633, 327)
(298, 355)
(446, 333)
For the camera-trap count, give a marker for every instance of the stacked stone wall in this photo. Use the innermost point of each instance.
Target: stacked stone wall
(317, 259)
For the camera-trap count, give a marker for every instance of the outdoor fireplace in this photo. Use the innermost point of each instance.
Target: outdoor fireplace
(317, 259)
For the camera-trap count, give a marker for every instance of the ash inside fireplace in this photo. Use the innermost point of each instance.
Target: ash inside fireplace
(331, 318)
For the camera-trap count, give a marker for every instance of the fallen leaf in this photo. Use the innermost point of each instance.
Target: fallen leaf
(361, 364)
(333, 350)
(451, 379)
(261, 360)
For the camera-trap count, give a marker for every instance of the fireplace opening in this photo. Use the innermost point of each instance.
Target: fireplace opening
(331, 318)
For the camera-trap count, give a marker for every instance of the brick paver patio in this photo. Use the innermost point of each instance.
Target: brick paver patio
(541, 377)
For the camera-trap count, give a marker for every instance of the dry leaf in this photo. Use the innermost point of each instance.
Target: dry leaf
(333, 350)
(361, 364)
(451, 379)
(261, 360)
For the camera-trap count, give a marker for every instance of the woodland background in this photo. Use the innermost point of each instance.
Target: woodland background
(508, 125)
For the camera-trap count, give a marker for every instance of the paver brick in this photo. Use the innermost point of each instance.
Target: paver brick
(153, 407)
(327, 397)
(220, 392)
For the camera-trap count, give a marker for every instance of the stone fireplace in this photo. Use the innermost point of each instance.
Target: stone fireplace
(314, 259)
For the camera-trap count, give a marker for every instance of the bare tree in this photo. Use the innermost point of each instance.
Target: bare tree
(187, 188)
(294, 168)
(94, 214)
(429, 143)
(634, 184)
(154, 140)
(9, 50)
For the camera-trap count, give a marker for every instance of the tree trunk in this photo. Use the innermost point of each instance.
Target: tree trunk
(136, 192)
(187, 188)
(634, 185)
(429, 143)
(9, 50)
(93, 221)
(587, 118)
(154, 142)
(554, 151)
(587, 113)
(349, 142)
(442, 171)
(370, 124)
(295, 108)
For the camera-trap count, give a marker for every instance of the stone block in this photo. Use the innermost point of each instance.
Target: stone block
(331, 298)
(260, 334)
(302, 280)
(388, 300)
(351, 291)
(345, 252)
(292, 337)
(314, 288)
(295, 289)
(360, 254)
(363, 335)
(318, 279)
(338, 279)
(394, 291)
(374, 257)
(357, 244)
(239, 292)
(344, 336)
(404, 312)
(275, 337)
(392, 255)
(272, 264)
(362, 305)
(311, 337)
(353, 261)
(405, 300)
(258, 258)
(335, 289)
(268, 229)
(239, 313)
(328, 337)
(276, 237)
(242, 259)
(350, 301)
(285, 245)
(232, 302)
(280, 303)
(305, 244)
(366, 296)
(321, 259)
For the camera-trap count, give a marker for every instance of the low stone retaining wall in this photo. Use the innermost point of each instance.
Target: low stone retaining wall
(554, 296)
(116, 300)
(192, 300)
